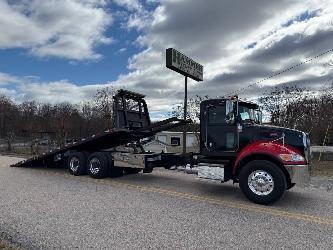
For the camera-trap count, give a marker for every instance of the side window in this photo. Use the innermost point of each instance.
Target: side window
(175, 141)
(162, 138)
(216, 115)
(244, 113)
(244, 116)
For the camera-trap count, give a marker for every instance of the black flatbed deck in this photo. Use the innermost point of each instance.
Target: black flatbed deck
(106, 140)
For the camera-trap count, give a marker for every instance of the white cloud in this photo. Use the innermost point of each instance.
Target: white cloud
(32, 88)
(152, 1)
(68, 29)
(238, 42)
(7, 92)
(28, 87)
(6, 79)
(138, 17)
(218, 33)
(138, 20)
(122, 50)
(129, 4)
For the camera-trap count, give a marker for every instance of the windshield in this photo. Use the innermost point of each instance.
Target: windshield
(249, 115)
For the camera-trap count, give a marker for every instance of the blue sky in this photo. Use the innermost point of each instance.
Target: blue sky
(64, 50)
(20, 62)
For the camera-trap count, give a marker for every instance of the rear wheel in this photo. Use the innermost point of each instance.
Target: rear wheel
(114, 172)
(262, 182)
(98, 165)
(77, 163)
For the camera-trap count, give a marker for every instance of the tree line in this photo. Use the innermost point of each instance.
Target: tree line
(33, 120)
(302, 109)
(291, 107)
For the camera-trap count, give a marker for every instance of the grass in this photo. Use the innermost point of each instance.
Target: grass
(323, 168)
(5, 245)
(16, 154)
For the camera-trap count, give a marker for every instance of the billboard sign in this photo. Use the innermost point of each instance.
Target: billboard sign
(183, 64)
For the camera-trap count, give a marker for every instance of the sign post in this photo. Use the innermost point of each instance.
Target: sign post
(185, 114)
(187, 67)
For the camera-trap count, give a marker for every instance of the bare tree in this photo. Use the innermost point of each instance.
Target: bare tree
(104, 103)
(193, 113)
(282, 104)
(8, 111)
(301, 109)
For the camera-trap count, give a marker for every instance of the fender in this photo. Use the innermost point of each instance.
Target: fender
(272, 149)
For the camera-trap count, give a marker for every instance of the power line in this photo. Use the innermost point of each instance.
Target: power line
(267, 78)
(281, 72)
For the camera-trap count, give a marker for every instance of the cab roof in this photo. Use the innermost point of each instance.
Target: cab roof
(250, 105)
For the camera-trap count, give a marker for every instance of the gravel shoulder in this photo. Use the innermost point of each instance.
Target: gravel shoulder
(323, 168)
(5, 245)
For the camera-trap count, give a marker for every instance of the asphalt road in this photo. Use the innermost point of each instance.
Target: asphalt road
(50, 209)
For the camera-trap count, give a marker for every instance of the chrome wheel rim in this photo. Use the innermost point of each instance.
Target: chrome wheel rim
(261, 182)
(74, 163)
(94, 165)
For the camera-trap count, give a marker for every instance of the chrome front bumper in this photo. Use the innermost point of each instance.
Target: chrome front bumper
(299, 174)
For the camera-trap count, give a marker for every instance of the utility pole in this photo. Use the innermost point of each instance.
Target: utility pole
(2, 122)
(185, 116)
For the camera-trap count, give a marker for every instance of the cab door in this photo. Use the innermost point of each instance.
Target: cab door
(219, 128)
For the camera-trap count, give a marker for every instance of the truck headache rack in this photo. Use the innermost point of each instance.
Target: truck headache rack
(130, 110)
(131, 122)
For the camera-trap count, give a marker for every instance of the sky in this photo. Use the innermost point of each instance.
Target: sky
(64, 50)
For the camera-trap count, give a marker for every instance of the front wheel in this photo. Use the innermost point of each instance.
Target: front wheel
(262, 182)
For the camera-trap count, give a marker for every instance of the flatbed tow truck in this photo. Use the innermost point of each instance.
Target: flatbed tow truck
(234, 145)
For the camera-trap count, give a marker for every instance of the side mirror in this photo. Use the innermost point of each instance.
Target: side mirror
(239, 128)
(230, 118)
(260, 116)
(229, 106)
(229, 111)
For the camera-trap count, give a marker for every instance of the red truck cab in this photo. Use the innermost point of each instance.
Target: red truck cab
(265, 160)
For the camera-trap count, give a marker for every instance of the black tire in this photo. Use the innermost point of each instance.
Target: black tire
(266, 173)
(50, 163)
(290, 186)
(132, 170)
(98, 165)
(114, 172)
(77, 163)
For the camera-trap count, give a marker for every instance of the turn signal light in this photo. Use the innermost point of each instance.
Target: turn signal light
(292, 157)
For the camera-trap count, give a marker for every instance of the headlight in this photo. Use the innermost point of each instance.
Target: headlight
(292, 157)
